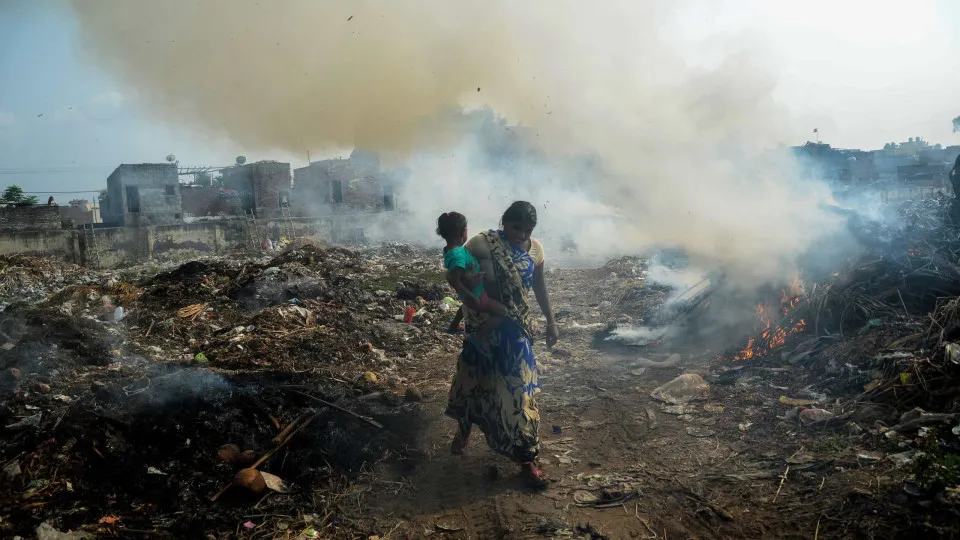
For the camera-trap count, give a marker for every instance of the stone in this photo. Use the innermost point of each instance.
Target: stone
(413, 394)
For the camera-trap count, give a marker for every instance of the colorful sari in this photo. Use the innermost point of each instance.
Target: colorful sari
(496, 391)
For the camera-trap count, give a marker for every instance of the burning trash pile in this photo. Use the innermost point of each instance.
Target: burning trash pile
(882, 337)
(174, 403)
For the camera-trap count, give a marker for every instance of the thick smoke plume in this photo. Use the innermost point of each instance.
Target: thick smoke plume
(676, 150)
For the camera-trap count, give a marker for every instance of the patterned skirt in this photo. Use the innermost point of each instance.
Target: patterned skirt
(496, 391)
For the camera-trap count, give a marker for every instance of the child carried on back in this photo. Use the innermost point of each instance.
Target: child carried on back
(464, 275)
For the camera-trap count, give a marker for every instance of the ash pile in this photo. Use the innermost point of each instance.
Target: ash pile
(182, 401)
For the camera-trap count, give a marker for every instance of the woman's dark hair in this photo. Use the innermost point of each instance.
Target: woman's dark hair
(520, 212)
(450, 225)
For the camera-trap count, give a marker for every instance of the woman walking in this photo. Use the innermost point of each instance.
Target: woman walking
(495, 385)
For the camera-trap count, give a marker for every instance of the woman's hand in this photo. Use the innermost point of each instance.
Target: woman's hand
(553, 334)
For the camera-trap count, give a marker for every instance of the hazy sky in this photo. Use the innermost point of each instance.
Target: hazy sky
(862, 72)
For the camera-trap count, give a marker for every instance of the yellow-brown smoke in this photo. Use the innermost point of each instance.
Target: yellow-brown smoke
(584, 77)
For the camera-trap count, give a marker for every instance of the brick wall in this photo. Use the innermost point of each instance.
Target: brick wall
(337, 183)
(259, 185)
(30, 218)
(206, 201)
(80, 215)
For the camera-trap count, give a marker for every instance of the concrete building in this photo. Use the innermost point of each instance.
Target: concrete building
(354, 184)
(932, 175)
(143, 195)
(262, 186)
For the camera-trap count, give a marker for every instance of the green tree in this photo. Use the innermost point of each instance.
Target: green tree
(14, 196)
(218, 182)
(956, 124)
(202, 179)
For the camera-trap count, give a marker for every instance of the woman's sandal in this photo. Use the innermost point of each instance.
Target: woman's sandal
(534, 476)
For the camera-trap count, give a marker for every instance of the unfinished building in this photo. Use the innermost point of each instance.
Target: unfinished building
(356, 184)
(263, 187)
(142, 195)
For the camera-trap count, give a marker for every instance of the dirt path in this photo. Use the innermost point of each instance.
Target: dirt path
(625, 468)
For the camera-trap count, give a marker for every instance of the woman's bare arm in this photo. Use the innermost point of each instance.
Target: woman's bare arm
(540, 291)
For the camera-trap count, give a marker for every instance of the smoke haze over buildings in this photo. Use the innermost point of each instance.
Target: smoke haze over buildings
(676, 151)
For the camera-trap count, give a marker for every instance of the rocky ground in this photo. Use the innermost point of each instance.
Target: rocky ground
(134, 422)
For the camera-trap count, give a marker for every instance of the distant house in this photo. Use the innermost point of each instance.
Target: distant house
(261, 187)
(143, 194)
(80, 211)
(356, 184)
(926, 175)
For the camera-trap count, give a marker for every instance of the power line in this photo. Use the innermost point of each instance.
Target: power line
(63, 192)
(55, 170)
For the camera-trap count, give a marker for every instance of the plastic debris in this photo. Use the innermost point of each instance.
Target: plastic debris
(811, 416)
(684, 389)
(793, 402)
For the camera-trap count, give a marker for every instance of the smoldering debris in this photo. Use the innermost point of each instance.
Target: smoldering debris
(138, 409)
(879, 338)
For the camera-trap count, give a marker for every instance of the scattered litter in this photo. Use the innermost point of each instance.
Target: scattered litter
(797, 402)
(811, 416)
(156, 471)
(30, 421)
(12, 470)
(952, 352)
(671, 361)
(744, 426)
(694, 431)
(274, 483)
(904, 459)
(678, 409)
(684, 389)
(46, 532)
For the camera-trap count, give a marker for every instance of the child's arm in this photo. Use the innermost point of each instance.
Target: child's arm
(455, 279)
(455, 324)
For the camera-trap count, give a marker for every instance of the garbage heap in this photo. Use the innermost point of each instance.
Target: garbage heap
(877, 345)
(173, 402)
(26, 278)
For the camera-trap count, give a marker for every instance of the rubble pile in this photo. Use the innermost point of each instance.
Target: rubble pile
(128, 405)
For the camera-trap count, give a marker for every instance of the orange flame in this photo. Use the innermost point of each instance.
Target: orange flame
(774, 337)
